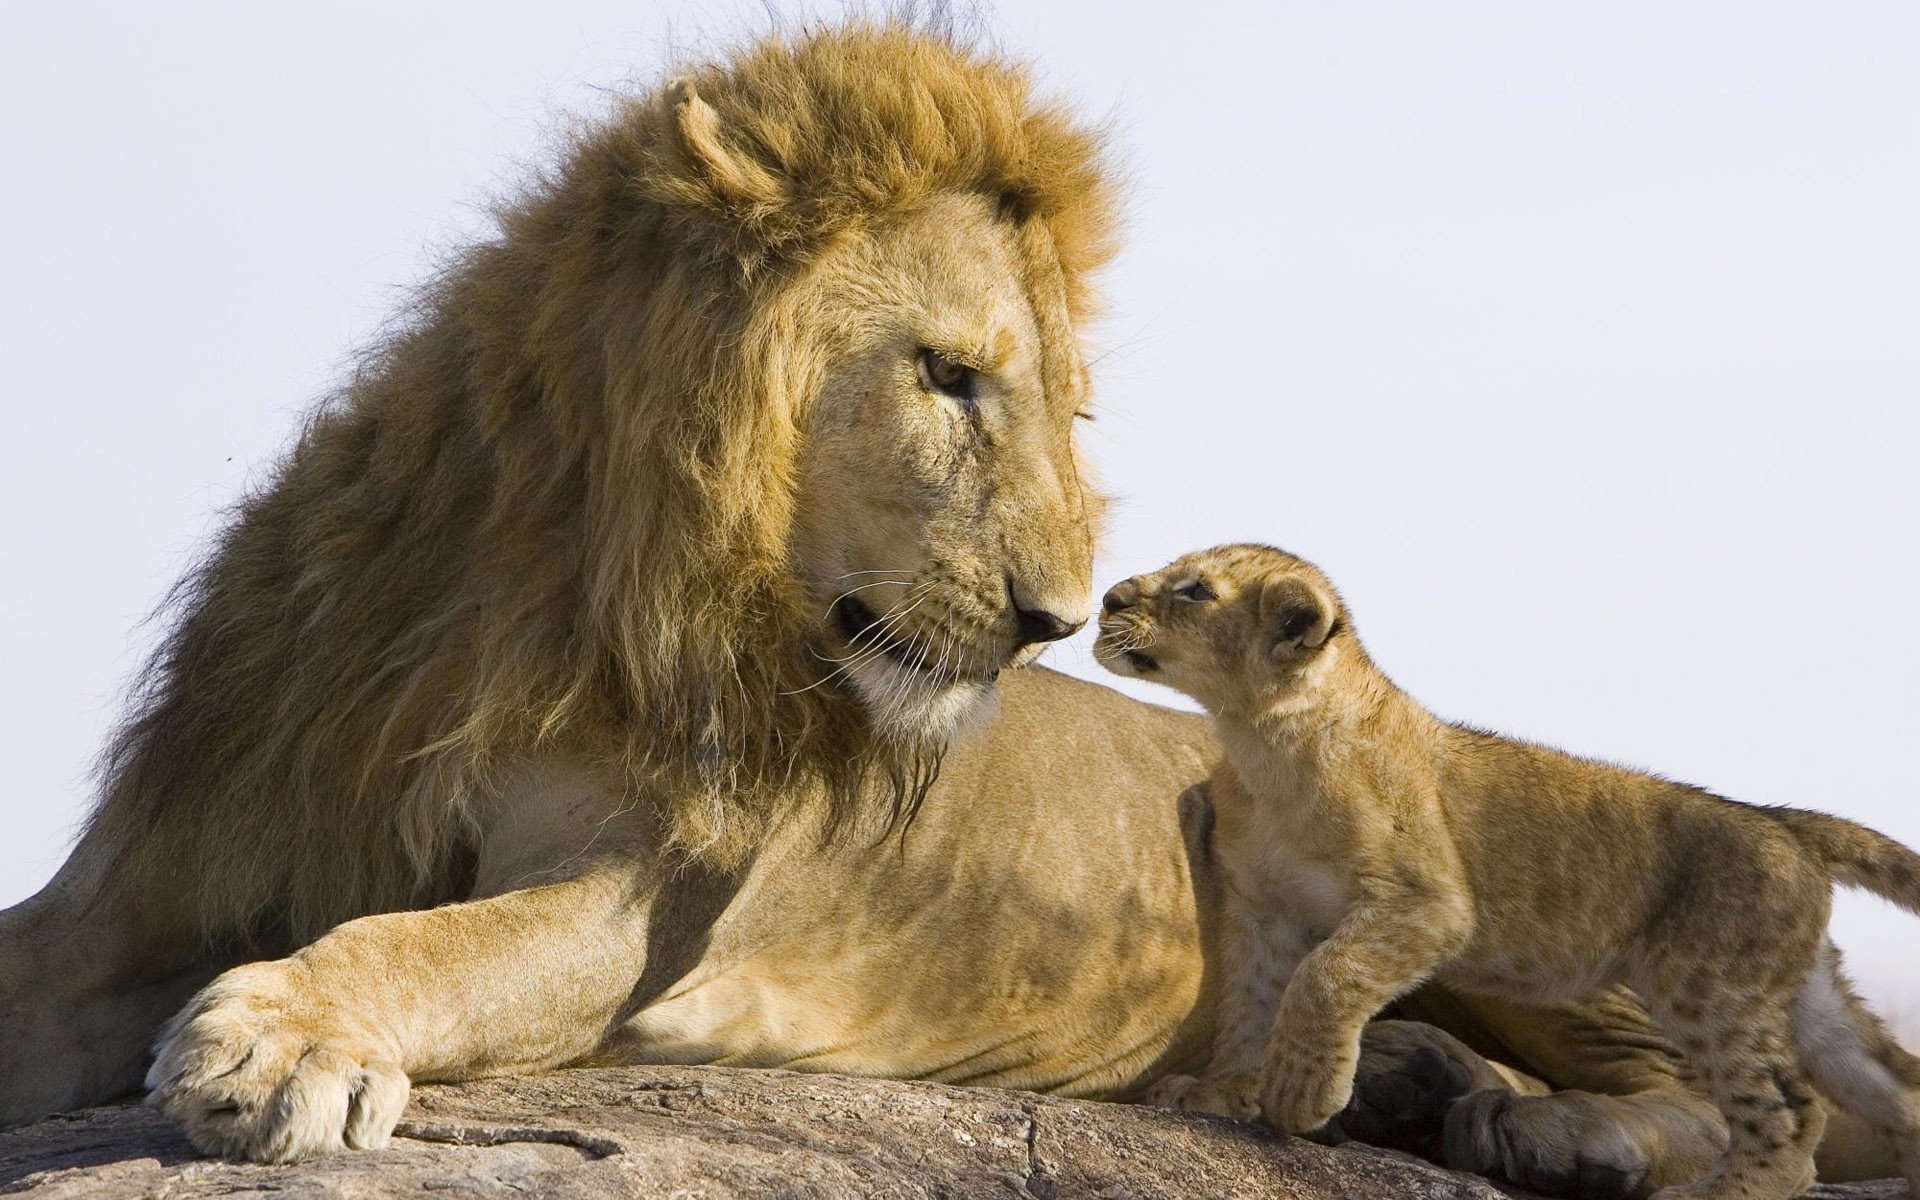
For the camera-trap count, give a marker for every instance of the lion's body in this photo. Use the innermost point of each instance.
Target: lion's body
(805, 971)
(551, 621)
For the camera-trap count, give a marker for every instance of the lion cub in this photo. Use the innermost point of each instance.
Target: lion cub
(1369, 846)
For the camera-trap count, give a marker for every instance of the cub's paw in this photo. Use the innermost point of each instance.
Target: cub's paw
(255, 1069)
(1303, 1089)
(1562, 1144)
(1236, 1095)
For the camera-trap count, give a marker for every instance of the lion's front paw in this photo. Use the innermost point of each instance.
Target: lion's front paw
(1564, 1144)
(254, 1069)
(1236, 1095)
(1300, 1091)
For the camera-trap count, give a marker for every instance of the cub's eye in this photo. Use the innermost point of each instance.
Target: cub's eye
(1194, 590)
(938, 373)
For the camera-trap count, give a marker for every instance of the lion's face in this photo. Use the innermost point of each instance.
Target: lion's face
(943, 525)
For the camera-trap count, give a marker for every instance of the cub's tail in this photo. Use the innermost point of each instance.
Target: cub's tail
(1857, 856)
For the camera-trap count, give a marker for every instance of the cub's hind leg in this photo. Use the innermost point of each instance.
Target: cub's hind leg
(1856, 1063)
(1740, 1046)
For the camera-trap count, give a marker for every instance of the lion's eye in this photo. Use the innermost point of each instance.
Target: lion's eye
(938, 373)
(1194, 590)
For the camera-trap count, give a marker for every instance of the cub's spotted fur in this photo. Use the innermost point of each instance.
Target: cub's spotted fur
(1369, 846)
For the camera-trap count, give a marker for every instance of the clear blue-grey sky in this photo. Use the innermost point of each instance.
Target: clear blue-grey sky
(1577, 342)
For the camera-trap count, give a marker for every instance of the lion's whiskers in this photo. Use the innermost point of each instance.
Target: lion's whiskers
(861, 588)
(871, 634)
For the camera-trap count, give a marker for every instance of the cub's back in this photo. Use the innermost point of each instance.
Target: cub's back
(1559, 842)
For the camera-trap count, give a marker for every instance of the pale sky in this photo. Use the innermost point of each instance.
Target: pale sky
(1576, 342)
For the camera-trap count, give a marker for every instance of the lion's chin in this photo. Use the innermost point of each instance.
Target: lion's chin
(913, 709)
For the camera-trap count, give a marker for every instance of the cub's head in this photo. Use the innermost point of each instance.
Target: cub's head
(1237, 628)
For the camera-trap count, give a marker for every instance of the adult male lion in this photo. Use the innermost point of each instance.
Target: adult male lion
(625, 608)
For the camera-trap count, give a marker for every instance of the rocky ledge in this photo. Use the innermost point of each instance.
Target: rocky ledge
(708, 1133)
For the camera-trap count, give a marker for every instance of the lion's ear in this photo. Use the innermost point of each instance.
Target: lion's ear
(730, 171)
(1297, 616)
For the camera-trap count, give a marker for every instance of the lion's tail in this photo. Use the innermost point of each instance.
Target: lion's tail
(1857, 856)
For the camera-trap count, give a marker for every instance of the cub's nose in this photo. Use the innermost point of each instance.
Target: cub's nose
(1124, 594)
(1035, 625)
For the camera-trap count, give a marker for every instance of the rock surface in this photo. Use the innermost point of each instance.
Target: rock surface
(708, 1133)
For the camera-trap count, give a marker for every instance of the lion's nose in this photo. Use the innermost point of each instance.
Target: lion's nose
(1034, 620)
(1034, 625)
(1124, 594)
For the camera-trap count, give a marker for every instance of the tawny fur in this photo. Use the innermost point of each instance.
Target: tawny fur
(1370, 846)
(532, 627)
(555, 509)
(654, 538)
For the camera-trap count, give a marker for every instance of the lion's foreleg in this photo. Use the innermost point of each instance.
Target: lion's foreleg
(276, 1061)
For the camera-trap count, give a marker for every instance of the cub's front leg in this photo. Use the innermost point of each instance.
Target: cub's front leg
(1382, 948)
(277, 1061)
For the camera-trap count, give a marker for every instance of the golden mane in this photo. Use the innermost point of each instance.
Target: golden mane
(551, 512)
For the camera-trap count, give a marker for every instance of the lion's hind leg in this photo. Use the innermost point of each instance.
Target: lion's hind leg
(1856, 1063)
(85, 980)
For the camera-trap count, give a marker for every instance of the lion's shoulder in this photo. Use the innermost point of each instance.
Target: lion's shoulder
(1066, 716)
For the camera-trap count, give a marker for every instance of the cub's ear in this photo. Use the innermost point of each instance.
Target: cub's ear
(1297, 615)
(729, 170)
